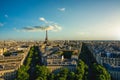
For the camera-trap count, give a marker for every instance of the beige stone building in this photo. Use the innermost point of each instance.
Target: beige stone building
(54, 63)
(8, 74)
(2, 50)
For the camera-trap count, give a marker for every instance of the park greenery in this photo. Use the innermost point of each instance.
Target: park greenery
(87, 68)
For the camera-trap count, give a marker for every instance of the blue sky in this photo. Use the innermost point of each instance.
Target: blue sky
(64, 19)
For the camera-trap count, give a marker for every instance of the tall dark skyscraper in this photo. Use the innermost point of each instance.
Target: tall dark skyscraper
(46, 38)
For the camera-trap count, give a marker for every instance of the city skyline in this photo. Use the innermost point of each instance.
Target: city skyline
(64, 19)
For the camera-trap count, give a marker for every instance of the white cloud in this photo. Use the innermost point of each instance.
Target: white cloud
(62, 9)
(1, 24)
(43, 19)
(49, 25)
(56, 27)
(6, 15)
(53, 27)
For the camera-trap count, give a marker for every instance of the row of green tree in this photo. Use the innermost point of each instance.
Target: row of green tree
(80, 73)
(26, 71)
(95, 71)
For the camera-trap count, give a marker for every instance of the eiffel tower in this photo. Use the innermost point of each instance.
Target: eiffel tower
(46, 38)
